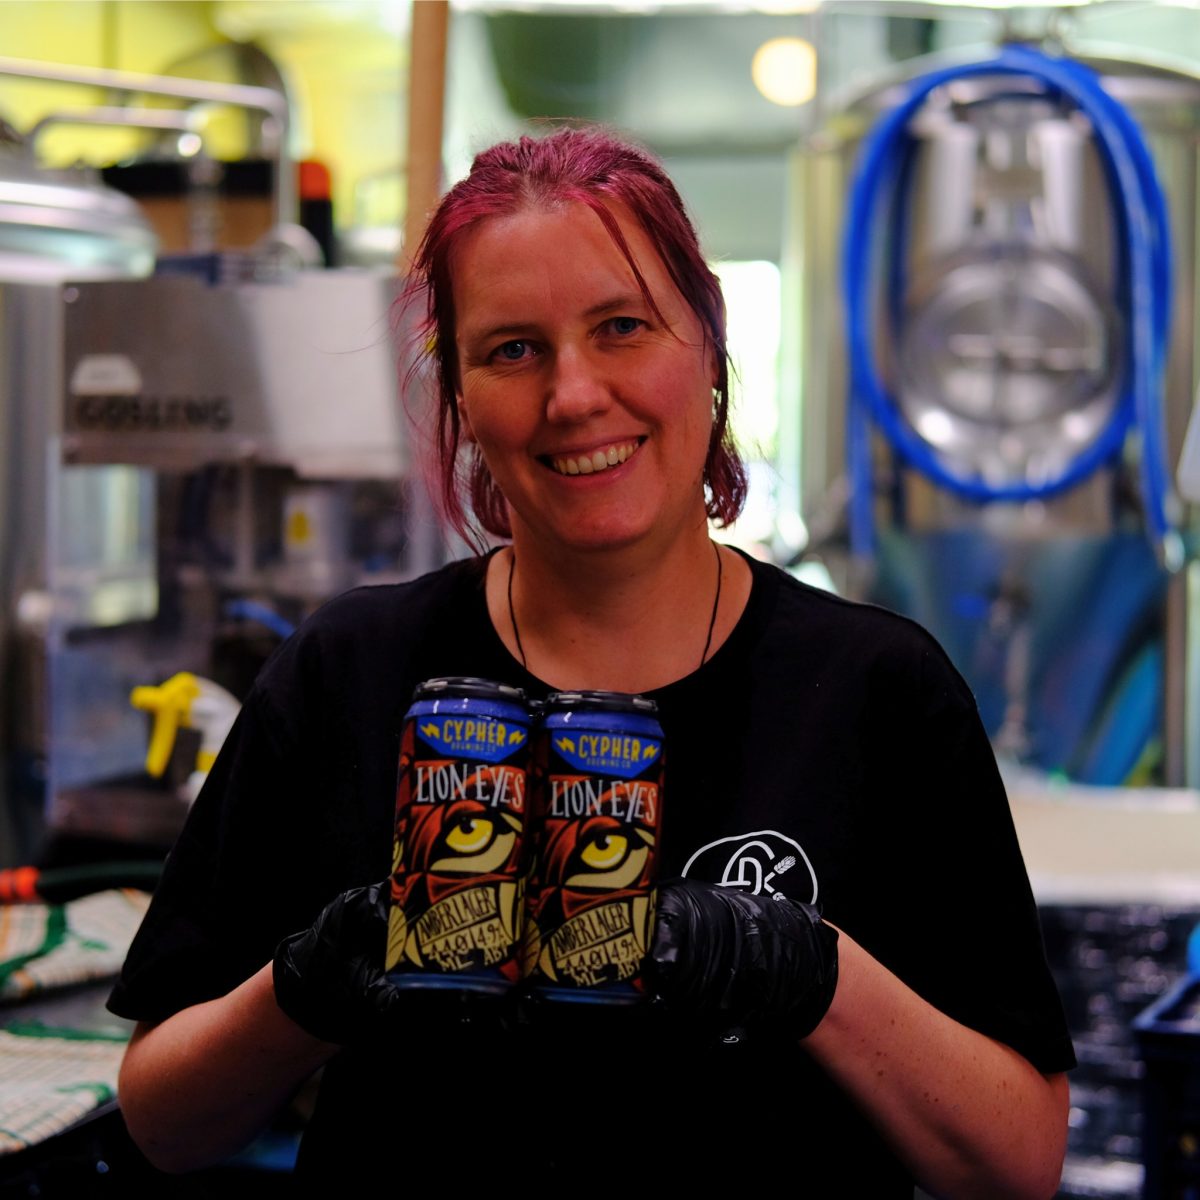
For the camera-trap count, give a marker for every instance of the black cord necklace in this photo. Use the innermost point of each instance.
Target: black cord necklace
(712, 620)
(512, 612)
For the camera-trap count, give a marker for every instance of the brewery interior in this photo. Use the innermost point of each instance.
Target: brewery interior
(958, 244)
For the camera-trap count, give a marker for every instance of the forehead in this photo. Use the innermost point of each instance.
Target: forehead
(560, 256)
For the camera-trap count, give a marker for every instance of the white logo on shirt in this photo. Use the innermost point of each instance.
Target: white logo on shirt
(755, 862)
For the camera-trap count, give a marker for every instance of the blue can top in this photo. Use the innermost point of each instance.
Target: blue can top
(453, 694)
(471, 718)
(604, 732)
(618, 711)
(454, 705)
(623, 722)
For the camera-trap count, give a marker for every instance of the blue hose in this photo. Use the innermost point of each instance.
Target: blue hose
(252, 610)
(1144, 274)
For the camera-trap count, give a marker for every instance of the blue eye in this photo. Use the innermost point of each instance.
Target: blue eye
(626, 325)
(512, 351)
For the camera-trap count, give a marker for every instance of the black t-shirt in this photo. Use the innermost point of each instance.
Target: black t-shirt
(827, 750)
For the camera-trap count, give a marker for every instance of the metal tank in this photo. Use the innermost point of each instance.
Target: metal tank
(54, 226)
(190, 461)
(1001, 338)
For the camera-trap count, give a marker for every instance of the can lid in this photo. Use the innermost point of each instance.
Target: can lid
(602, 702)
(467, 685)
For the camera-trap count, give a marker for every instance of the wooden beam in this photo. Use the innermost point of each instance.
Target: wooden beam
(426, 107)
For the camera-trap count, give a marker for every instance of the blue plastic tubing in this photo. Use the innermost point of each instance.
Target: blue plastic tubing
(1144, 292)
(252, 610)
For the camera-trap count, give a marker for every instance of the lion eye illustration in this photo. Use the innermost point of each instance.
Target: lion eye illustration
(474, 842)
(604, 851)
(470, 835)
(609, 855)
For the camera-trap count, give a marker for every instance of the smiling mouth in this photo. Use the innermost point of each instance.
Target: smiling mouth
(596, 461)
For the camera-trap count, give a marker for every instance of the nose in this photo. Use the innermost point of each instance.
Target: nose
(578, 386)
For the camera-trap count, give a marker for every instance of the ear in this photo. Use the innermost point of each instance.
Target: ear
(466, 432)
(714, 363)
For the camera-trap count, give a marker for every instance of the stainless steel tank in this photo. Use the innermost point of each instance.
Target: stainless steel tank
(60, 224)
(54, 226)
(1044, 347)
(1010, 352)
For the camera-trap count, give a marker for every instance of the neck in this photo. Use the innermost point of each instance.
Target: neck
(622, 620)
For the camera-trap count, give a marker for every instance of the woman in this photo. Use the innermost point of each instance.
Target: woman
(819, 752)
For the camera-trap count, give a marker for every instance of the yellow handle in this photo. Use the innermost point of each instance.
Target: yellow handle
(171, 704)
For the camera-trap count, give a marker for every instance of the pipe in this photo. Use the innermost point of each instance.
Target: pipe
(240, 95)
(131, 118)
(252, 610)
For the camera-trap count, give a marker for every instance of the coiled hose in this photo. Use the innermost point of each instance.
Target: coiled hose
(1144, 287)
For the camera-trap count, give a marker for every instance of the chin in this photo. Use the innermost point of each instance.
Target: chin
(603, 540)
(598, 537)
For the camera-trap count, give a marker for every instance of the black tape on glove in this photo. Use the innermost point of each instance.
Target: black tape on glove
(330, 979)
(727, 958)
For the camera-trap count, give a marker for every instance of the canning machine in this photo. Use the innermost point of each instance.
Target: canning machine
(195, 452)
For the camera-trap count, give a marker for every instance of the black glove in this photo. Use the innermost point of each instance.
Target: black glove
(725, 958)
(330, 979)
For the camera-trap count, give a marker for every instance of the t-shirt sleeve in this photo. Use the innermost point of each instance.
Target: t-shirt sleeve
(225, 894)
(964, 926)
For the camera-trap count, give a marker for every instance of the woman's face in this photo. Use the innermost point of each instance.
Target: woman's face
(592, 412)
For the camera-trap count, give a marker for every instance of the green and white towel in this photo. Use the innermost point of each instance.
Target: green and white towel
(51, 1078)
(45, 946)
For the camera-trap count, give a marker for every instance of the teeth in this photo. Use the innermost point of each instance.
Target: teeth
(598, 460)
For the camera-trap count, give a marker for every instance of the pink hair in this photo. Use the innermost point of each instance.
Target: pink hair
(591, 167)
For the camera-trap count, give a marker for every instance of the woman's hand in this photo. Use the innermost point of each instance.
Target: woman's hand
(969, 1116)
(727, 958)
(330, 979)
(199, 1085)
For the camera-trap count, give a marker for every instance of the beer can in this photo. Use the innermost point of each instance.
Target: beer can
(459, 851)
(597, 814)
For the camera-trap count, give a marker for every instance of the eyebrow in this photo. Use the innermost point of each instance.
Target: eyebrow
(614, 304)
(625, 300)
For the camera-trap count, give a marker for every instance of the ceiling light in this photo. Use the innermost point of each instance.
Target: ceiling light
(785, 71)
